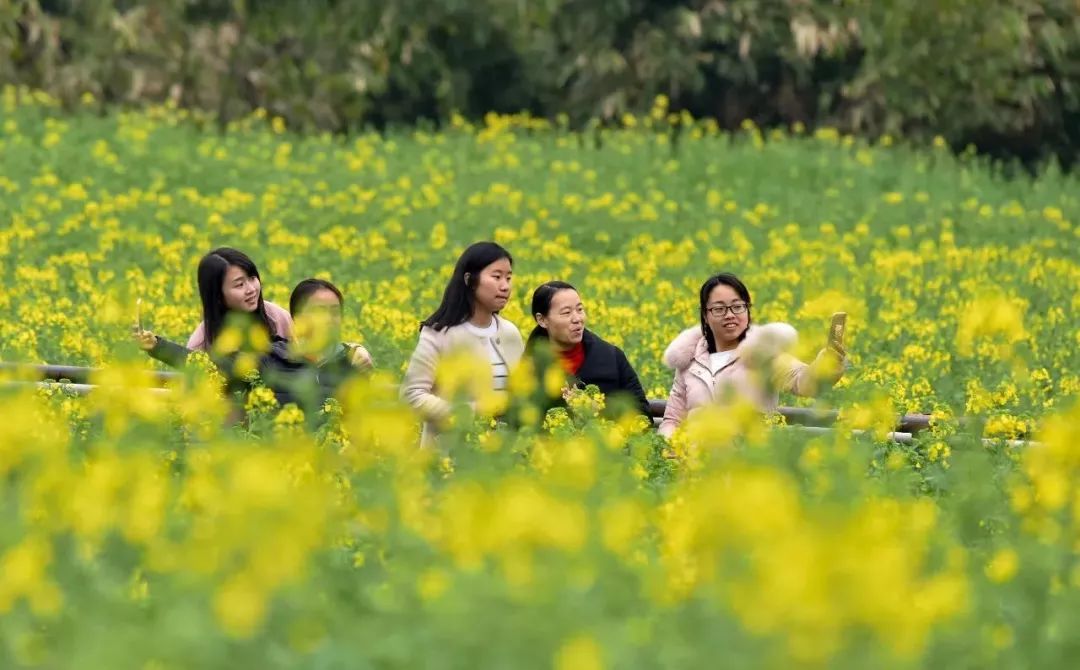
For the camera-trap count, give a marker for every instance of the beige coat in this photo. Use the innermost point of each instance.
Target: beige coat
(764, 348)
(418, 387)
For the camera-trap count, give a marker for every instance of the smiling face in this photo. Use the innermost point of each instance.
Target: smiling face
(241, 291)
(565, 320)
(493, 286)
(727, 326)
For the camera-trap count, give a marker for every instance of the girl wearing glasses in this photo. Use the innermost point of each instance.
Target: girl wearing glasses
(718, 361)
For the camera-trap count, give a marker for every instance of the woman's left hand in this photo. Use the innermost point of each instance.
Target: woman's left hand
(359, 358)
(831, 364)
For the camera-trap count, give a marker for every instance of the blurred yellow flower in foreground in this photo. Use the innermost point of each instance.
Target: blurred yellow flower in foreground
(580, 653)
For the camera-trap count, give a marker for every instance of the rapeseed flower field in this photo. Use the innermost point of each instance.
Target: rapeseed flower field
(142, 530)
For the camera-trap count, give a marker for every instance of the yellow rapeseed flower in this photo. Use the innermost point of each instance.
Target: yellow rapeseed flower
(582, 652)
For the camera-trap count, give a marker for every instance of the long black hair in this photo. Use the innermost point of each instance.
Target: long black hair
(541, 304)
(457, 302)
(212, 269)
(727, 279)
(307, 288)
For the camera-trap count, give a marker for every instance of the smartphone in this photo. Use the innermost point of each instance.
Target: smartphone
(836, 332)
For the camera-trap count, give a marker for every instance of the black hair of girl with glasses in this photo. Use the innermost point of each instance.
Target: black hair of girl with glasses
(736, 284)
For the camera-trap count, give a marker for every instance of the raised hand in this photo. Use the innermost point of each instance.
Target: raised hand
(143, 338)
(359, 357)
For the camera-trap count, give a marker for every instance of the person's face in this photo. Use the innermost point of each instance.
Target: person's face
(727, 326)
(565, 321)
(493, 286)
(317, 325)
(241, 291)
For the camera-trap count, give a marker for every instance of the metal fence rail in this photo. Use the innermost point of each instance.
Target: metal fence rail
(78, 380)
(74, 380)
(908, 438)
(69, 387)
(808, 416)
(69, 373)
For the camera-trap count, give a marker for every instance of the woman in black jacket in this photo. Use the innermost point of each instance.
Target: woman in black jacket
(583, 355)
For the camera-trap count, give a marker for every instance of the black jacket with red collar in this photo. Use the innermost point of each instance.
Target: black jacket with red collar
(606, 367)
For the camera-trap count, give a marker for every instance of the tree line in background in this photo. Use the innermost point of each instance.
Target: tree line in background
(1003, 75)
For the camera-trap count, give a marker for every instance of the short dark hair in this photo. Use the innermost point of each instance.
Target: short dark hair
(541, 304)
(457, 301)
(727, 279)
(307, 288)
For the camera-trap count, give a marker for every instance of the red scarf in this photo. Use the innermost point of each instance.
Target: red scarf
(572, 359)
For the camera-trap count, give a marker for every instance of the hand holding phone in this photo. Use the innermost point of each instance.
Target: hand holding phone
(836, 333)
(143, 338)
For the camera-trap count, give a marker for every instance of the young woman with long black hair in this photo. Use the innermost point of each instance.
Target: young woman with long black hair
(560, 319)
(230, 289)
(467, 317)
(229, 282)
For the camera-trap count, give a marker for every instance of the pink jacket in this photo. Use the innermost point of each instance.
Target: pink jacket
(765, 346)
(279, 319)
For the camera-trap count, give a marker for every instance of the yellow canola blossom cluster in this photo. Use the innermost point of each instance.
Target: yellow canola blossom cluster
(946, 281)
(189, 530)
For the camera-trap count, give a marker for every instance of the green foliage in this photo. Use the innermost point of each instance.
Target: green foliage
(150, 530)
(1003, 74)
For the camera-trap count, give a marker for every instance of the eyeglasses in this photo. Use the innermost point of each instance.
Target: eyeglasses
(720, 310)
